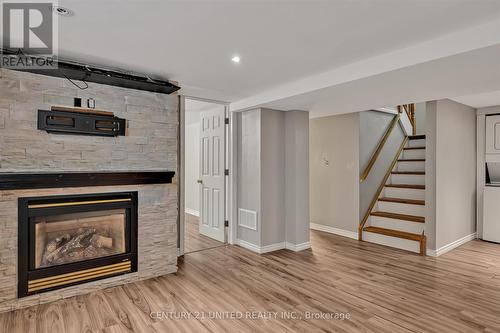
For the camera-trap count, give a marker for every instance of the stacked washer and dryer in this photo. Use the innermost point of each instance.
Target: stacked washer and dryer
(491, 181)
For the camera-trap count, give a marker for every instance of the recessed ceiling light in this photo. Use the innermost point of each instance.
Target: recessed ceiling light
(63, 11)
(236, 59)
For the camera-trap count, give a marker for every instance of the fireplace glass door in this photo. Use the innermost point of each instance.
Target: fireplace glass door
(72, 239)
(68, 238)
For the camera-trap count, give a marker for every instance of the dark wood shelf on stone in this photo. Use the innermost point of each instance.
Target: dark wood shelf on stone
(23, 181)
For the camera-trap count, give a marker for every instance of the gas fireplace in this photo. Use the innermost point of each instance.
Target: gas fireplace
(68, 240)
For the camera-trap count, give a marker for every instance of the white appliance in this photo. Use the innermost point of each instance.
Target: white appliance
(491, 192)
(491, 215)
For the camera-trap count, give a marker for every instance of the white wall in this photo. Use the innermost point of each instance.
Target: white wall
(335, 192)
(430, 173)
(348, 142)
(273, 178)
(334, 171)
(420, 112)
(192, 162)
(372, 127)
(249, 171)
(453, 147)
(297, 177)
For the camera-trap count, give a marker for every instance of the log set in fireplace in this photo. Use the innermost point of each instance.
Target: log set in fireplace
(68, 240)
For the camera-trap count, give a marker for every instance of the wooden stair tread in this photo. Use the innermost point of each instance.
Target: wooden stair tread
(413, 148)
(408, 172)
(417, 187)
(397, 216)
(403, 201)
(416, 137)
(412, 160)
(394, 233)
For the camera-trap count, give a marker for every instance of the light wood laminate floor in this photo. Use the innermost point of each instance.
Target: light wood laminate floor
(383, 290)
(193, 240)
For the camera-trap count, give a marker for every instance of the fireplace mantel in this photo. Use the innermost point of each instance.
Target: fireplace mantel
(23, 181)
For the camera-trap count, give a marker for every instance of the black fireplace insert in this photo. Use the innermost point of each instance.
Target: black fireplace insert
(73, 239)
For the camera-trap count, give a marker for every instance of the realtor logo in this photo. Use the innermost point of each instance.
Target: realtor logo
(28, 26)
(28, 35)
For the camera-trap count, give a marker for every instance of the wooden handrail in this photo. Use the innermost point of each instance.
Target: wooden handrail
(380, 145)
(410, 112)
(413, 119)
(379, 190)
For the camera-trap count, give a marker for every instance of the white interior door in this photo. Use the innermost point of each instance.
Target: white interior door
(212, 163)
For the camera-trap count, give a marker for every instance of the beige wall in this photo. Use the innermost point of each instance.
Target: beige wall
(450, 170)
(334, 188)
(297, 180)
(272, 164)
(430, 173)
(452, 145)
(420, 117)
(249, 170)
(273, 176)
(372, 127)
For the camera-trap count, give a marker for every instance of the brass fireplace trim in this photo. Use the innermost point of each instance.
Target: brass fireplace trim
(34, 280)
(87, 274)
(75, 203)
(120, 264)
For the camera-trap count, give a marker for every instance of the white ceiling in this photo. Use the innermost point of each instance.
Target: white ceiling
(279, 41)
(472, 72)
(194, 107)
(482, 100)
(198, 106)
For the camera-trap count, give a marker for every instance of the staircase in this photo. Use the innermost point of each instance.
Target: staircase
(398, 217)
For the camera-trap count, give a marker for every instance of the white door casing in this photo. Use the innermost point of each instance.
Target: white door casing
(212, 166)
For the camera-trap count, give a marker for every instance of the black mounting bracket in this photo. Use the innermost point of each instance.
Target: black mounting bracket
(80, 123)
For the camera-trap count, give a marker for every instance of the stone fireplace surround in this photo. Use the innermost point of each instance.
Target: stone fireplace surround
(150, 145)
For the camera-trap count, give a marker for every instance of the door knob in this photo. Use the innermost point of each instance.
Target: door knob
(200, 181)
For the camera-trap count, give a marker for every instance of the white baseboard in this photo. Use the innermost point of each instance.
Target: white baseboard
(298, 247)
(332, 230)
(248, 246)
(273, 247)
(260, 249)
(451, 246)
(192, 212)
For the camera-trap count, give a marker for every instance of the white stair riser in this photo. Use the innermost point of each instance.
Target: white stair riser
(400, 208)
(410, 166)
(408, 179)
(394, 224)
(414, 153)
(398, 243)
(416, 143)
(404, 193)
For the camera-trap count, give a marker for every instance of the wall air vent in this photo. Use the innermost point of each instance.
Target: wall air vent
(247, 219)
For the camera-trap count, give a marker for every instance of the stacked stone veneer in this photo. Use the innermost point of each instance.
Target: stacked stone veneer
(150, 144)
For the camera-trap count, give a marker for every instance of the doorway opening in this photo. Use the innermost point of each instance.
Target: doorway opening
(203, 220)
